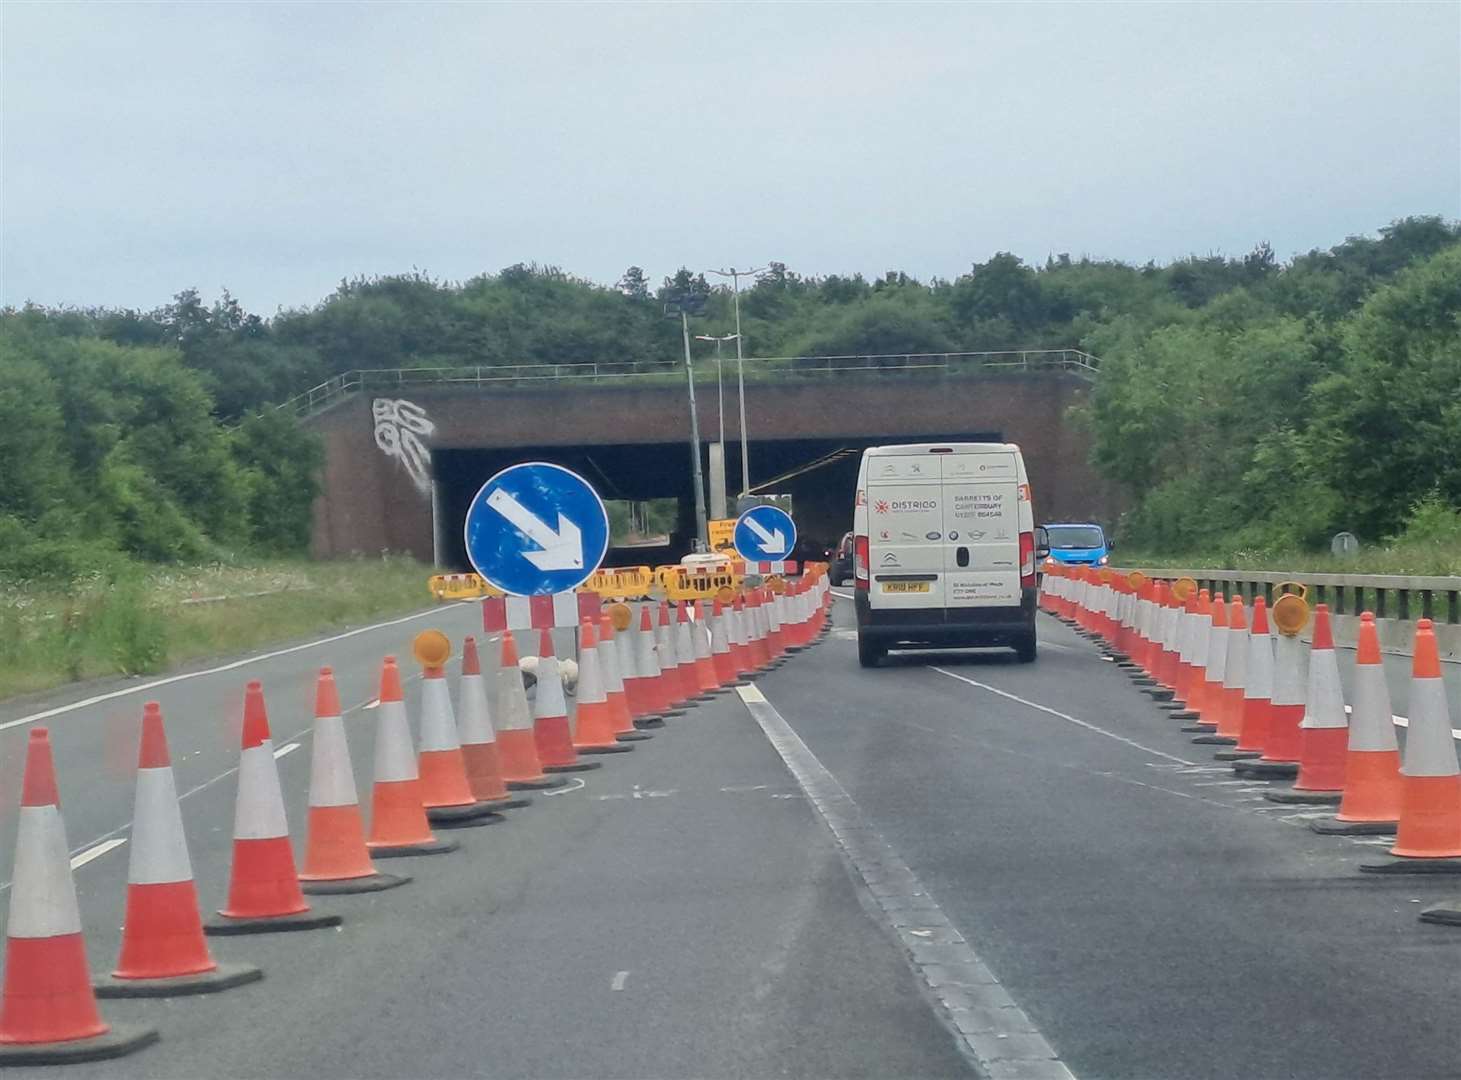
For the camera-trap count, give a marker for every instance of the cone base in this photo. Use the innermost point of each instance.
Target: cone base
(1413, 865)
(405, 851)
(1235, 755)
(222, 925)
(1335, 827)
(577, 766)
(1196, 729)
(1143, 682)
(1183, 714)
(455, 817)
(345, 886)
(548, 783)
(1267, 770)
(1447, 913)
(1304, 798)
(615, 748)
(510, 803)
(223, 977)
(674, 712)
(633, 736)
(1160, 693)
(649, 722)
(121, 1039)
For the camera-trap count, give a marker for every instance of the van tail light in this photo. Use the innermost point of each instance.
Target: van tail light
(1027, 560)
(860, 563)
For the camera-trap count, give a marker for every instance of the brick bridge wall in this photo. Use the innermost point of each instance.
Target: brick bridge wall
(377, 489)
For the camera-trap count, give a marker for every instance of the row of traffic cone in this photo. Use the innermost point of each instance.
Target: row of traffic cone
(1282, 709)
(465, 774)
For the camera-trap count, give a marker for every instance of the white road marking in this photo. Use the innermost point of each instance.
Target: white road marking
(373, 703)
(143, 688)
(840, 595)
(572, 785)
(981, 1006)
(620, 978)
(1064, 716)
(96, 851)
(287, 748)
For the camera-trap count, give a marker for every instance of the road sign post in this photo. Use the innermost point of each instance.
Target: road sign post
(765, 534)
(536, 529)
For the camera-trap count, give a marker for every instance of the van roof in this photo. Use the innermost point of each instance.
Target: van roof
(948, 447)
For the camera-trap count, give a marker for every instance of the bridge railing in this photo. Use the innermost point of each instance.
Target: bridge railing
(1070, 361)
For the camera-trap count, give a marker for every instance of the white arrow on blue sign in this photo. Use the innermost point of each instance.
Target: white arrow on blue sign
(765, 533)
(536, 529)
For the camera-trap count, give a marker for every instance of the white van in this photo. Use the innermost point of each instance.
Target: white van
(944, 548)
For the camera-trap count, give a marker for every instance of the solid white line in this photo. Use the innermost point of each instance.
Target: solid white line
(233, 666)
(287, 748)
(840, 595)
(1064, 716)
(988, 1025)
(96, 852)
(620, 977)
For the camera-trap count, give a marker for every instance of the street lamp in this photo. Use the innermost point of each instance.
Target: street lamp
(735, 276)
(684, 305)
(717, 464)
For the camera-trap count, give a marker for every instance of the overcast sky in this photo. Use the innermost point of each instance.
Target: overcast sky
(276, 148)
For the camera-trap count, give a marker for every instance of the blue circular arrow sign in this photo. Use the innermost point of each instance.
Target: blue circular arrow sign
(765, 534)
(535, 529)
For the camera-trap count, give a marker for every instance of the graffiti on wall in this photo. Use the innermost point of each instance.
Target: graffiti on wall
(400, 428)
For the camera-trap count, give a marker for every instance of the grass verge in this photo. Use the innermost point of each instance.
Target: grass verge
(162, 617)
(1422, 561)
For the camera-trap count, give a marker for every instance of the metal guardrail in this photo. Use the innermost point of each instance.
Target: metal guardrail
(1071, 361)
(1413, 597)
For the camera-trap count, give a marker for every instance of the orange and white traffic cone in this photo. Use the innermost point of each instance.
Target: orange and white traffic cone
(640, 685)
(610, 649)
(1257, 689)
(685, 654)
(1216, 664)
(446, 792)
(516, 742)
(669, 659)
(164, 952)
(651, 675)
(1324, 732)
(263, 888)
(1235, 676)
(1291, 689)
(48, 1013)
(705, 676)
(398, 825)
(479, 741)
(760, 655)
(1370, 804)
(741, 639)
(720, 647)
(551, 731)
(1428, 836)
(336, 859)
(593, 731)
(1198, 626)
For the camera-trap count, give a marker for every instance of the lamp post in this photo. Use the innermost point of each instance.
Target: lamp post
(717, 460)
(735, 276)
(684, 306)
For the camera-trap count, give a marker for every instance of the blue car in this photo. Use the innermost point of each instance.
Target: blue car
(1079, 544)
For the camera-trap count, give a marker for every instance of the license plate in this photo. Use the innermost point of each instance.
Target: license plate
(905, 586)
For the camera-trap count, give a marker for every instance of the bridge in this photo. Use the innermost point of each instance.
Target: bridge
(405, 449)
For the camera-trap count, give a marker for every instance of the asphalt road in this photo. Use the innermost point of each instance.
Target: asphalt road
(687, 911)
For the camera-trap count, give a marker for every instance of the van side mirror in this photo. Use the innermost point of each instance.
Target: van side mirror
(1042, 542)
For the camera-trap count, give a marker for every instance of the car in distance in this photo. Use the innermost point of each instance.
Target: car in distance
(1082, 543)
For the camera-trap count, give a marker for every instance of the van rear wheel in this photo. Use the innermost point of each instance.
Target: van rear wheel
(1025, 648)
(869, 654)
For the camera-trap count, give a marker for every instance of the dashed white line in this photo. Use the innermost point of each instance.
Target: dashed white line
(96, 851)
(287, 748)
(620, 978)
(1064, 716)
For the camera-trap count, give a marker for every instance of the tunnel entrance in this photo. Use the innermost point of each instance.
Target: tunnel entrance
(819, 475)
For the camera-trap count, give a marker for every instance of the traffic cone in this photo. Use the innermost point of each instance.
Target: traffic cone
(1257, 689)
(647, 667)
(398, 825)
(609, 650)
(163, 949)
(760, 656)
(1235, 676)
(446, 793)
(336, 859)
(1428, 837)
(479, 741)
(1370, 804)
(263, 888)
(1291, 687)
(740, 639)
(1215, 664)
(705, 676)
(1324, 732)
(669, 660)
(720, 647)
(685, 653)
(48, 1011)
(551, 732)
(593, 731)
(516, 742)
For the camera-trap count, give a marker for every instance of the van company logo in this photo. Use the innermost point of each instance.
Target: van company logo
(881, 506)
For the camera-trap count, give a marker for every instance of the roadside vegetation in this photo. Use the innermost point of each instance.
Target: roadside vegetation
(143, 620)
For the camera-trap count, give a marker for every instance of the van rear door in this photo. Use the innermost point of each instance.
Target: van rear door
(905, 515)
(981, 524)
